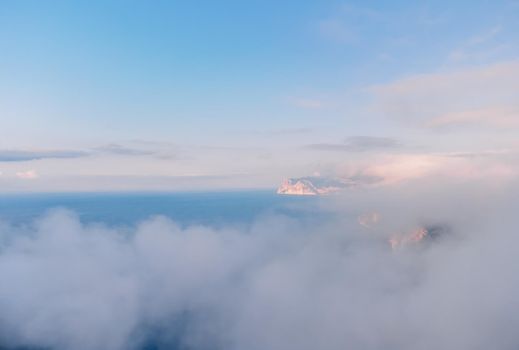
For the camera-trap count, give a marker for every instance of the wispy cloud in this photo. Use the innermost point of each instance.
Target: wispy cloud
(27, 175)
(480, 154)
(337, 30)
(483, 96)
(462, 166)
(358, 144)
(473, 46)
(306, 103)
(22, 155)
(124, 151)
(506, 116)
(346, 23)
(284, 132)
(486, 36)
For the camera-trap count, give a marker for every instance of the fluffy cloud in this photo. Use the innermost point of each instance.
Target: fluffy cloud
(280, 284)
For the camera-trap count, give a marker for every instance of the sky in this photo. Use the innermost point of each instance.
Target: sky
(170, 95)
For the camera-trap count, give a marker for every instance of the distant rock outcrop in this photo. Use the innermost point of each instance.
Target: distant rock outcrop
(369, 220)
(406, 238)
(411, 237)
(317, 185)
(418, 235)
(313, 185)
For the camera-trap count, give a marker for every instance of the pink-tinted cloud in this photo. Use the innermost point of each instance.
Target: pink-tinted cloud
(27, 175)
(501, 116)
(483, 96)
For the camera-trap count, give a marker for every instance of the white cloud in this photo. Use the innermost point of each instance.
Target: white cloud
(492, 165)
(282, 284)
(27, 175)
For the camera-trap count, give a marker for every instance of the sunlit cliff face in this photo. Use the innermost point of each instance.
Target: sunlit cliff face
(297, 188)
(416, 235)
(313, 185)
(403, 239)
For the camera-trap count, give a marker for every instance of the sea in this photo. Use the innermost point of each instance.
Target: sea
(215, 209)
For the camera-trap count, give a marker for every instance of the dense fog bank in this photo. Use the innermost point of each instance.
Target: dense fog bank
(279, 284)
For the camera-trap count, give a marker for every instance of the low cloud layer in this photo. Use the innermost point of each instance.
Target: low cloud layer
(280, 284)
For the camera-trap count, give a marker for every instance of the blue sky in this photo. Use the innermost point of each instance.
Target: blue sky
(233, 89)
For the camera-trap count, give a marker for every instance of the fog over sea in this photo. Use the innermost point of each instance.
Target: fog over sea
(254, 270)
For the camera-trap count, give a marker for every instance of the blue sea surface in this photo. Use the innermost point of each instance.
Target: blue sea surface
(186, 208)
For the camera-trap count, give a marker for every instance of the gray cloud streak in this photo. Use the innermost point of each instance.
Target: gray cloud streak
(358, 144)
(22, 156)
(124, 151)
